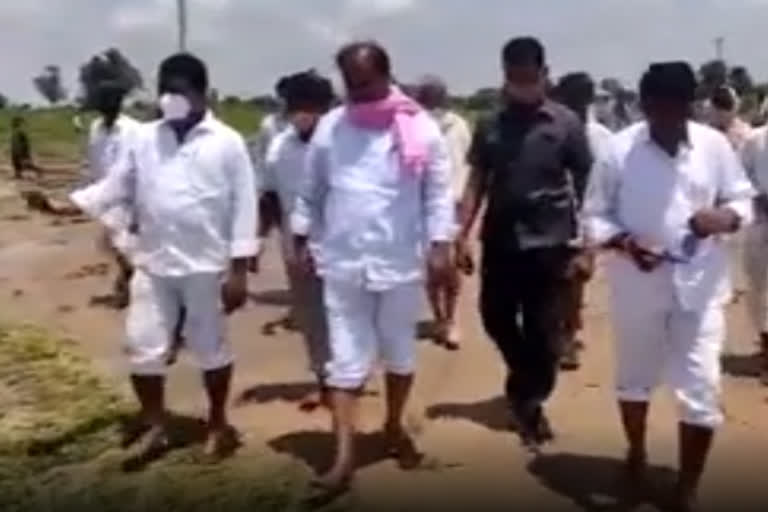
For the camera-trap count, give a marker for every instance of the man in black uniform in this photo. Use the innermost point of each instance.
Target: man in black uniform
(530, 161)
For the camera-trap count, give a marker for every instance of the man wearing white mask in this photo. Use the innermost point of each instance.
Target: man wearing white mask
(189, 184)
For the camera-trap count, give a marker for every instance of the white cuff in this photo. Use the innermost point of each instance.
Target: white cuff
(244, 248)
(300, 224)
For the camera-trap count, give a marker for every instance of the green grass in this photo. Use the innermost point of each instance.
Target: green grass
(54, 138)
(59, 434)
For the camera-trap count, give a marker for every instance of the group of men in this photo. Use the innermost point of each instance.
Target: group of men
(376, 197)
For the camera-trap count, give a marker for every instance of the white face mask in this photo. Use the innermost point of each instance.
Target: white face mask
(174, 107)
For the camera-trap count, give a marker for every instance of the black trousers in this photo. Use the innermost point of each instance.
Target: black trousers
(522, 303)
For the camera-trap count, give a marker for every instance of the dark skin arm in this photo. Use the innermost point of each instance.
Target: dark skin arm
(715, 221)
(234, 292)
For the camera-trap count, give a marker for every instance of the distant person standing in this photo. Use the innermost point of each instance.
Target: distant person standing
(432, 93)
(666, 192)
(21, 150)
(110, 135)
(530, 162)
(577, 92)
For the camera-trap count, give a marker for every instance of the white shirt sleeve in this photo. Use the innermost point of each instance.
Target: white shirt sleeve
(245, 216)
(735, 191)
(312, 187)
(439, 205)
(111, 200)
(600, 211)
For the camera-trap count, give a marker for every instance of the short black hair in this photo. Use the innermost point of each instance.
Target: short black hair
(724, 98)
(575, 89)
(308, 89)
(674, 81)
(523, 51)
(379, 56)
(187, 66)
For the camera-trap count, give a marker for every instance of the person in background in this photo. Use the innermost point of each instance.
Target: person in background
(666, 192)
(432, 93)
(531, 162)
(755, 158)
(269, 208)
(189, 184)
(307, 98)
(577, 92)
(377, 191)
(111, 134)
(723, 112)
(21, 150)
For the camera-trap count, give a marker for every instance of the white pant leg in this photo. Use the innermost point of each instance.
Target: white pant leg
(152, 314)
(756, 268)
(640, 332)
(310, 313)
(205, 326)
(397, 313)
(695, 344)
(735, 246)
(351, 317)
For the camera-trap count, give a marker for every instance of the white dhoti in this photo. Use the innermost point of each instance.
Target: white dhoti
(156, 303)
(657, 341)
(756, 266)
(364, 325)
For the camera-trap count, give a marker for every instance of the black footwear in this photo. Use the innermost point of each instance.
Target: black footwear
(544, 432)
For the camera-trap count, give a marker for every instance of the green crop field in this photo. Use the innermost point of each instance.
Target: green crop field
(54, 137)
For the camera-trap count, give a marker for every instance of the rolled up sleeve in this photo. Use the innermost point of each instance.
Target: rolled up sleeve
(111, 199)
(245, 217)
(439, 202)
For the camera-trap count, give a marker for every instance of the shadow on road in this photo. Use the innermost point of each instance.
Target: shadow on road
(492, 414)
(741, 365)
(598, 483)
(279, 298)
(316, 449)
(292, 392)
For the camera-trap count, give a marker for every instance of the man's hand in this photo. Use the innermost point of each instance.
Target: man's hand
(464, 260)
(581, 267)
(714, 221)
(234, 292)
(439, 264)
(646, 259)
(304, 260)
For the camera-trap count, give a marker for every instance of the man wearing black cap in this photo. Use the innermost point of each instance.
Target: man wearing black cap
(662, 198)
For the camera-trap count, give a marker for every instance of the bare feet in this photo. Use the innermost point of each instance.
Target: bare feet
(314, 401)
(221, 442)
(401, 447)
(446, 336)
(327, 488)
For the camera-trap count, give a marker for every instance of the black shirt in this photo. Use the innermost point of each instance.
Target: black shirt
(535, 169)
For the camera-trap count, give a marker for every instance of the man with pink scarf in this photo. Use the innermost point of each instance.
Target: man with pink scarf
(376, 196)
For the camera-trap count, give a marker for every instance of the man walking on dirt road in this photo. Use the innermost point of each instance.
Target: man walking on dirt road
(662, 199)
(189, 184)
(530, 161)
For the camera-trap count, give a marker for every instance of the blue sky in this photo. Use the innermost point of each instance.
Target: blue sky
(247, 43)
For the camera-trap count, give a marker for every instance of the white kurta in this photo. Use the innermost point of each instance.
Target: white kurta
(374, 222)
(669, 322)
(196, 210)
(755, 156)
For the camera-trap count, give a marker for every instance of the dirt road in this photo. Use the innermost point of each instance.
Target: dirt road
(50, 269)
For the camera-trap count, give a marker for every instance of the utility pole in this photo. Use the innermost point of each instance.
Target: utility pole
(720, 48)
(181, 13)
